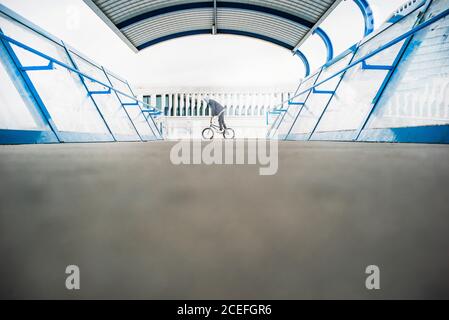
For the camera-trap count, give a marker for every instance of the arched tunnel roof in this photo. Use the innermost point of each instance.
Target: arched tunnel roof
(143, 23)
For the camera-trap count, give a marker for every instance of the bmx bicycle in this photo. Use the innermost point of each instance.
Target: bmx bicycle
(209, 132)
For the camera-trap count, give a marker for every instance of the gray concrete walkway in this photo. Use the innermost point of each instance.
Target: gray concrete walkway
(140, 227)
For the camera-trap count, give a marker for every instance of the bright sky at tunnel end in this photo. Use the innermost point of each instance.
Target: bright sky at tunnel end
(197, 61)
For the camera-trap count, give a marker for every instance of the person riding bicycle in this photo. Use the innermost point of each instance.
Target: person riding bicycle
(216, 110)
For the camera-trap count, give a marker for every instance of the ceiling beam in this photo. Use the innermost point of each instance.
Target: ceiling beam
(214, 25)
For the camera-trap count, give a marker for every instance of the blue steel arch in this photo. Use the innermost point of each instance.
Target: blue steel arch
(304, 61)
(368, 18)
(221, 4)
(368, 15)
(219, 31)
(327, 42)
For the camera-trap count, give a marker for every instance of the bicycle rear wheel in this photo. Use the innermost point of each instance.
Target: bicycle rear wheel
(229, 133)
(208, 134)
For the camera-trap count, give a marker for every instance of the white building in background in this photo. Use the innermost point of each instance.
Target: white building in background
(186, 113)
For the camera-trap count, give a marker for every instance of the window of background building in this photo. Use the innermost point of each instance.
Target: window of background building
(167, 103)
(158, 102)
(158, 105)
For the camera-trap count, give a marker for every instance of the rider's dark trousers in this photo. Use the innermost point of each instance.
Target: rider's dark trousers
(221, 121)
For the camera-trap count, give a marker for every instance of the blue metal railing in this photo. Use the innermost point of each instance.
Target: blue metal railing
(363, 59)
(53, 61)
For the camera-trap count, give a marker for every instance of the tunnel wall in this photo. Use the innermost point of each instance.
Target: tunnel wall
(51, 93)
(400, 94)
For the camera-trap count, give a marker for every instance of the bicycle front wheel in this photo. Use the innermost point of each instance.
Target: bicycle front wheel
(229, 133)
(208, 134)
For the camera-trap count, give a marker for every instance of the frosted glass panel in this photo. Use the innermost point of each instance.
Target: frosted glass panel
(134, 111)
(359, 87)
(17, 108)
(123, 87)
(150, 121)
(140, 122)
(66, 99)
(61, 90)
(109, 104)
(292, 110)
(273, 127)
(316, 103)
(418, 93)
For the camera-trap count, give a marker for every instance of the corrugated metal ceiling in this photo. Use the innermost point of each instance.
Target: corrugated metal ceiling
(142, 23)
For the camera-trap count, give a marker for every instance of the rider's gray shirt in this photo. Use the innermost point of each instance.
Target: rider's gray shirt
(215, 107)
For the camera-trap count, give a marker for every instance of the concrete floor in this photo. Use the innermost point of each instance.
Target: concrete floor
(140, 227)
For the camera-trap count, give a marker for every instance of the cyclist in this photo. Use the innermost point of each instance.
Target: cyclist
(217, 110)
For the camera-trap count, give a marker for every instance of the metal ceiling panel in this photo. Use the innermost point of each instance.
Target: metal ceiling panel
(142, 23)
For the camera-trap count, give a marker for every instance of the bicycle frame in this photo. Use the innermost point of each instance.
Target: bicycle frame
(215, 128)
